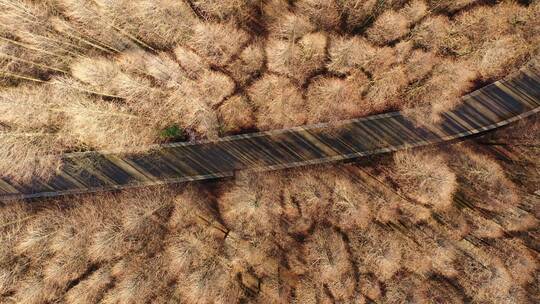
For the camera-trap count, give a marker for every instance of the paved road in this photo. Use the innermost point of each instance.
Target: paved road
(493, 106)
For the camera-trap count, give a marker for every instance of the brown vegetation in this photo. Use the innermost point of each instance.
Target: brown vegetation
(322, 233)
(427, 225)
(278, 103)
(447, 225)
(425, 179)
(388, 27)
(346, 94)
(297, 59)
(213, 68)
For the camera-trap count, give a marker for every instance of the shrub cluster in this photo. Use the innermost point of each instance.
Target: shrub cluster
(434, 226)
(85, 74)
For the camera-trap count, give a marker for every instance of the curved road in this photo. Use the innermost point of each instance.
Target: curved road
(495, 105)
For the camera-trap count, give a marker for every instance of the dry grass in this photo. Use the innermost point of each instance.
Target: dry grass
(288, 26)
(433, 34)
(217, 42)
(484, 173)
(458, 79)
(248, 206)
(24, 156)
(90, 290)
(242, 12)
(278, 102)
(419, 64)
(249, 63)
(357, 13)
(236, 114)
(347, 94)
(297, 59)
(18, 104)
(451, 225)
(388, 27)
(348, 54)
(386, 88)
(158, 24)
(140, 67)
(324, 14)
(288, 237)
(425, 179)
(350, 209)
(449, 6)
(499, 56)
(326, 253)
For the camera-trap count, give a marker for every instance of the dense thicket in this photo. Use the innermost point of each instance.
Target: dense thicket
(434, 226)
(451, 225)
(81, 74)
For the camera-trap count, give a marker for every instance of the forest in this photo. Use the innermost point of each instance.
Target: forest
(447, 224)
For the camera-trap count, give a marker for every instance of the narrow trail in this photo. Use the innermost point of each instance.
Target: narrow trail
(498, 104)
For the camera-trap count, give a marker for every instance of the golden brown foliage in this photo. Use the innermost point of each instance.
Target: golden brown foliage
(236, 114)
(298, 60)
(161, 23)
(278, 102)
(323, 13)
(347, 94)
(348, 54)
(143, 66)
(388, 27)
(425, 179)
(447, 226)
(217, 42)
(334, 233)
(440, 92)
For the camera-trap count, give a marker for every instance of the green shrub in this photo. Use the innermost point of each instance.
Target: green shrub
(173, 133)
